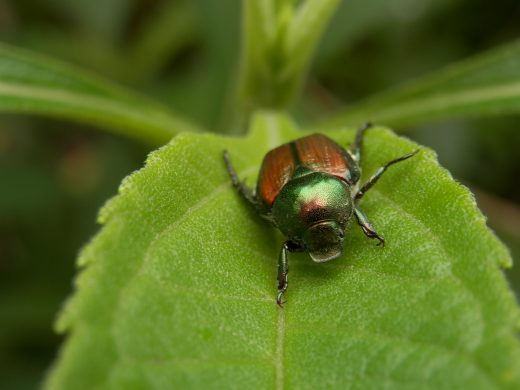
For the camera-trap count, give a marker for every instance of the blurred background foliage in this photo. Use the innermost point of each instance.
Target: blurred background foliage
(55, 175)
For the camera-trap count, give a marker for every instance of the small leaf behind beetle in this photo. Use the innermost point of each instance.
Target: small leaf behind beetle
(178, 288)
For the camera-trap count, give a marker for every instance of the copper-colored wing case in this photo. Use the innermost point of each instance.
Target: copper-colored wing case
(277, 169)
(316, 152)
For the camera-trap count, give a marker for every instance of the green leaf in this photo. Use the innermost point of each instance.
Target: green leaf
(178, 289)
(33, 84)
(486, 84)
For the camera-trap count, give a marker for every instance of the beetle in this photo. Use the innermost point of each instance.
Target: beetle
(309, 189)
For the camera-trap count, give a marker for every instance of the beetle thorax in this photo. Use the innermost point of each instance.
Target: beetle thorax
(311, 199)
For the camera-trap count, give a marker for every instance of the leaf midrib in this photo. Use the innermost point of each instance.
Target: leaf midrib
(279, 353)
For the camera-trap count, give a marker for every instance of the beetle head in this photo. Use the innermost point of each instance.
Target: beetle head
(324, 241)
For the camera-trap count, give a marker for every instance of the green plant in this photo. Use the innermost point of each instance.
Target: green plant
(178, 287)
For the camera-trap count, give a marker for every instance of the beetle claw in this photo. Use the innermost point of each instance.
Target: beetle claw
(381, 242)
(279, 301)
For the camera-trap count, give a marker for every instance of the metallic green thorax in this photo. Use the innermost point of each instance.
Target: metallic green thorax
(308, 199)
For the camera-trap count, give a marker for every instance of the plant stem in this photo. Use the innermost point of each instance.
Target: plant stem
(279, 38)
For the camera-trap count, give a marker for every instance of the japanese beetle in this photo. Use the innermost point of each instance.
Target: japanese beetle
(309, 189)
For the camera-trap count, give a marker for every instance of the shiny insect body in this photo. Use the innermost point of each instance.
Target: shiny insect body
(309, 189)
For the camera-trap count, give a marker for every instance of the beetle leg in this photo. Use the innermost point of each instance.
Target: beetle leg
(355, 148)
(367, 227)
(283, 268)
(242, 188)
(373, 180)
